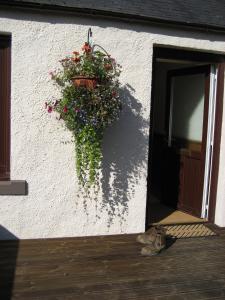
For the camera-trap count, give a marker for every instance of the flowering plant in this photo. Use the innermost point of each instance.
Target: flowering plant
(88, 106)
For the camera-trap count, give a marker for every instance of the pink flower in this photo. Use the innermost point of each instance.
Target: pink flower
(65, 109)
(49, 109)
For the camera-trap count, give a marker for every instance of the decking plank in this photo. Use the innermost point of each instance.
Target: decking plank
(111, 267)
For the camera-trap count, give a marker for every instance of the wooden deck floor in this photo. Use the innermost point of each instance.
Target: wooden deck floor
(112, 268)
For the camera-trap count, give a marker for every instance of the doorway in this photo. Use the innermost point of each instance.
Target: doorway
(182, 120)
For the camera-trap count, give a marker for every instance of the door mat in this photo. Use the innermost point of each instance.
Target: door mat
(181, 231)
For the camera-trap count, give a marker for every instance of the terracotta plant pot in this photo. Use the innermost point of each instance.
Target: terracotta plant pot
(84, 81)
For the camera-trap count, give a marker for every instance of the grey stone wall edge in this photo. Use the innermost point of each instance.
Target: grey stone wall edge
(14, 187)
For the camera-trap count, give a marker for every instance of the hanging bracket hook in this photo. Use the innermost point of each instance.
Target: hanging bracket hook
(89, 38)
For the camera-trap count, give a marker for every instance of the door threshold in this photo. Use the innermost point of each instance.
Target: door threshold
(161, 214)
(193, 230)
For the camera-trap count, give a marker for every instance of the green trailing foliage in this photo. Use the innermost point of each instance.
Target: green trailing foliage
(87, 107)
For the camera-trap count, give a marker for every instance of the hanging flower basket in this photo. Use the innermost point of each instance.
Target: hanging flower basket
(89, 102)
(84, 81)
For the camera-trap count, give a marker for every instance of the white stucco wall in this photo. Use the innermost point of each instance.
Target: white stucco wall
(40, 152)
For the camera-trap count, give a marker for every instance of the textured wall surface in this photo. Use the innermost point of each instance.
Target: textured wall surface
(42, 152)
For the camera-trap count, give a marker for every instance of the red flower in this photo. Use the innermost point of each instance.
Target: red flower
(114, 93)
(49, 109)
(64, 60)
(108, 66)
(76, 53)
(65, 109)
(86, 48)
(76, 59)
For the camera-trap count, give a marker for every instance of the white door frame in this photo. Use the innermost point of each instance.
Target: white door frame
(210, 141)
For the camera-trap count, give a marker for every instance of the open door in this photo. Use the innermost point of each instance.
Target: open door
(185, 133)
(217, 128)
(185, 147)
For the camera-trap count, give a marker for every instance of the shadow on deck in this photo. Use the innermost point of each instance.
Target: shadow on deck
(111, 267)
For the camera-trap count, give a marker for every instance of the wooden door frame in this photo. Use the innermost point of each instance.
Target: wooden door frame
(5, 78)
(161, 52)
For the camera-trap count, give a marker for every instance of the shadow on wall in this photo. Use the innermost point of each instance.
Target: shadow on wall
(124, 154)
(9, 245)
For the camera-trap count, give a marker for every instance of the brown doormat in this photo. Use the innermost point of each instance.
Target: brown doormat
(181, 231)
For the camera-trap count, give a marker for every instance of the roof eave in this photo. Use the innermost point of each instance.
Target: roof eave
(116, 15)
